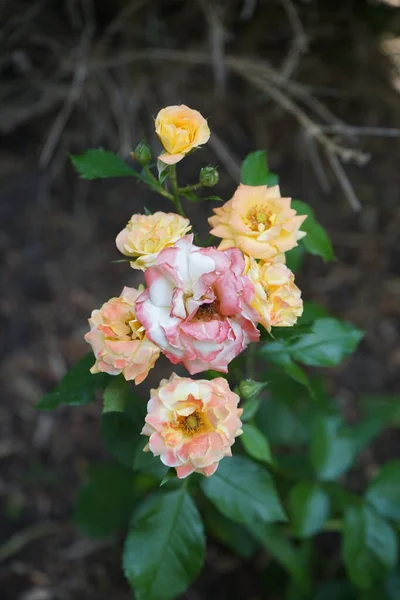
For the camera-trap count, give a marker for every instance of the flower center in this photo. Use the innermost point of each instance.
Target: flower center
(191, 424)
(258, 219)
(208, 311)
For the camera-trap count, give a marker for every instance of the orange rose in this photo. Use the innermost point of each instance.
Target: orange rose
(277, 299)
(258, 221)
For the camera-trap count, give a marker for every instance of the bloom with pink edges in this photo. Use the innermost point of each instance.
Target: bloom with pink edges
(192, 424)
(196, 307)
(118, 339)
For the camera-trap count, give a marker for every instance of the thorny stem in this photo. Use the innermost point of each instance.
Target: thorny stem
(175, 190)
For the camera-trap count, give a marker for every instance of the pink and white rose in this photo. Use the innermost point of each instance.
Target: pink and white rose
(192, 424)
(197, 306)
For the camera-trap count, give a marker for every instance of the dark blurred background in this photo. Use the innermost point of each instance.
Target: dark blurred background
(315, 82)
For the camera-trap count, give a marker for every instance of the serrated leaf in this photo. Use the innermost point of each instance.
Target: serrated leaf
(316, 241)
(244, 492)
(332, 449)
(77, 387)
(308, 508)
(329, 342)
(106, 501)
(164, 549)
(383, 492)
(369, 546)
(255, 443)
(97, 163)
(255, 170)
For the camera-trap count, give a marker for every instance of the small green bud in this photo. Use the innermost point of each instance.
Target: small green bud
(209, 176)
(142, 154)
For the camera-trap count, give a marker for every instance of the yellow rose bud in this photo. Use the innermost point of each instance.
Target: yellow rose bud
(146, 235)
(180, 129)
(277, 299)
(258, 221)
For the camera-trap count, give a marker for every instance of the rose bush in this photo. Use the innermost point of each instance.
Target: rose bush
(284, 479)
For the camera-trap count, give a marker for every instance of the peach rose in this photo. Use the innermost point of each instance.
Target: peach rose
(258, 221)
(277, 298)
(180, 129)
(118, 339)
(196, 307)
(146, 235)
(192, 424)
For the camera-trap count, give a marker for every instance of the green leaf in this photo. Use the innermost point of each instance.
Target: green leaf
(332, 449)
(255, 170)
(230, 534)
(147, 463)
(244, 492)
(163, 171)
(116, 395)
(328, 343)
(279, 354)
(311, 312)
(121, 430)
(99, 164)
(164, 549)
(106, 501)
(121, 437)
(77, 387)
(332, 590)
(281, 423)
(384, 491)
(369, 546)
(282, 549)
(255, 443)
(308, 508)
(250, 408)
(316, 241)
(295, 258)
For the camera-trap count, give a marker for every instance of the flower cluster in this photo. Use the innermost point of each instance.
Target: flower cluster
(201, 307)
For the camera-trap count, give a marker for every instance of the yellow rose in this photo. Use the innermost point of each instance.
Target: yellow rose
(146, 235)
(258, 221)
(180, 129)
(277, 299)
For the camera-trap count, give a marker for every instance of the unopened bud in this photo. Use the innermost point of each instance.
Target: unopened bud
(209, 176)
(142, 154)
